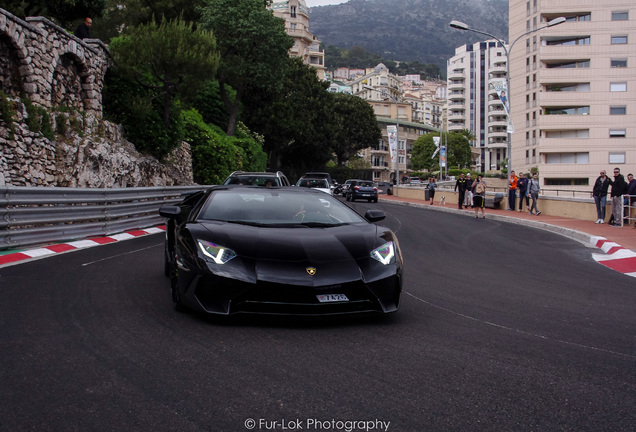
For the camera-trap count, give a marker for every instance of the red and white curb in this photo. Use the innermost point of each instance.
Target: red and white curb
(18, 256)
(615, 257)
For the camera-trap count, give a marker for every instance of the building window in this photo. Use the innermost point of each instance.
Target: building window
(582, 87)
(582, 110)
(585, 40)
(619, 40)
(292, 11)
(617, 133)
(569, 64)
(567, 181)
(618, 63)
(582, 158)
(618, 110)
(568, 134)
(618, 87)
(578, 17)
(620, 16)
(617, 158)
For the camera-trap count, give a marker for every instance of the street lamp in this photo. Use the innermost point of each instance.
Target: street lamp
(463, 26)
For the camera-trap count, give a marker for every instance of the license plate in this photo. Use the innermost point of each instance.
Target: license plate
(328, 298)
(366, 194)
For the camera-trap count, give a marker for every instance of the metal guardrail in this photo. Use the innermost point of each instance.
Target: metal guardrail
(38, 215)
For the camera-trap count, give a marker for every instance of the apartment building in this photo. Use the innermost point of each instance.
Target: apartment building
(473, 103)
(573, 90)
(306, 45)
(383, 91)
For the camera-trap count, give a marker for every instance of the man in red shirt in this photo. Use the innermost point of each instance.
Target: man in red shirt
(512, 190)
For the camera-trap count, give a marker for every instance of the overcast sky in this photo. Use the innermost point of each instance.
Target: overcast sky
(312, 3)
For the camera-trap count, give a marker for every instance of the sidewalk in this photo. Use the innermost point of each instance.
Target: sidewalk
(618, 245)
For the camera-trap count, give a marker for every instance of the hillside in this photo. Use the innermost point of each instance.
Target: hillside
(408, 30)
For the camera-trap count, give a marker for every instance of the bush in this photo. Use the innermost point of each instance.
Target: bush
(215, 155)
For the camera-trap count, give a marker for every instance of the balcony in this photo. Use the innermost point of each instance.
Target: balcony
(498, 69)
(457, 75)
(457, 95)
(456, 85)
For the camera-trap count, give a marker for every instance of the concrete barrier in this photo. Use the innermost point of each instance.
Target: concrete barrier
(575, 208)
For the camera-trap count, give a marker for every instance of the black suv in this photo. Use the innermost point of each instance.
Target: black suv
(257, 179)
(362, 189)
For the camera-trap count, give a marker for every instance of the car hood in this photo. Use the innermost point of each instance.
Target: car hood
(295, 244)
(287, 255)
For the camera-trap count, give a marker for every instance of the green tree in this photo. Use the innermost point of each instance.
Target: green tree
(253, 47)
(458, 152)
(170, 59)
(293, 117)
(354, 126)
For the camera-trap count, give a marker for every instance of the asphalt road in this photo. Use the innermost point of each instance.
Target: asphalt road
(501, 328)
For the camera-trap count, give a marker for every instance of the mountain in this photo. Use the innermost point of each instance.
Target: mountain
(408, 30)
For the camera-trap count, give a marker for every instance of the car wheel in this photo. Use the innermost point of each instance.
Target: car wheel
(375, 200)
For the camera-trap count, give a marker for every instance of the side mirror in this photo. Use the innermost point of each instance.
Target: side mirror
(169, 211)
(374, 215)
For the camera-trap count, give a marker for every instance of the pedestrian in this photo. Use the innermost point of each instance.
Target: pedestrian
(512, 190)
(83, 30)
(533, 192)
(599, 192)
(631, 192)
(468, 200)
(431, 188)
(479, 197)
(522, 184)
(460, 185)
(619, 188)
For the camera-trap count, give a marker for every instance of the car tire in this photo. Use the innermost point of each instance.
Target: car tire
(375, 200)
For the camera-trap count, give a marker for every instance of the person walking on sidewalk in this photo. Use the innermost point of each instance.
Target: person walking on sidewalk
(461, 185)
(479, 197)
(522, 184)
(619, 188)
(599, 192)
(431, 188)
(512, 190)
(468, 199)
(533, 192)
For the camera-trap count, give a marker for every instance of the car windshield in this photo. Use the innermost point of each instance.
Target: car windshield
(253, 180)
(314, 183)
(365, 184)
(277, 207)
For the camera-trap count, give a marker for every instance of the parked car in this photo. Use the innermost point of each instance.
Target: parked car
(321, 184)
(257, 179)
(324, 175)
(385, 188)
(345, 186)
(415, 180)
(362, 189)
(246, 249)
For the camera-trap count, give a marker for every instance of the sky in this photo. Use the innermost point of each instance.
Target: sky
(312, 3)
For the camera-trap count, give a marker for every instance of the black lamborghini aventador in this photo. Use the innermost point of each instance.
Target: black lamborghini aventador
(246, 249)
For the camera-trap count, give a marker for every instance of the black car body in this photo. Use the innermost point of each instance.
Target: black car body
(238, 249)
(362, 189)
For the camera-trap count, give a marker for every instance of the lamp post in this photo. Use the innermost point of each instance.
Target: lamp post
(463, 26)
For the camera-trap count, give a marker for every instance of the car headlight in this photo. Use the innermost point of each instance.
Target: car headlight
(384, 254)
(218, 254)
